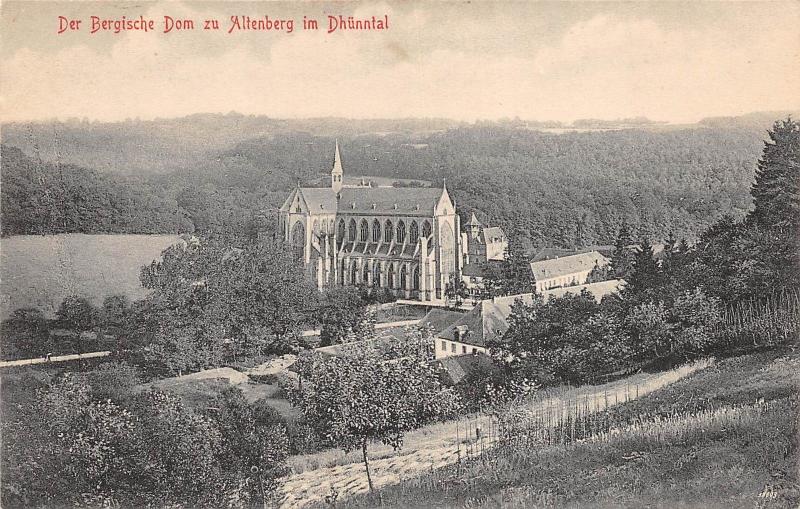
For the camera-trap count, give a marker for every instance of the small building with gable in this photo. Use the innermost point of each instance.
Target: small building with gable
(566, 270)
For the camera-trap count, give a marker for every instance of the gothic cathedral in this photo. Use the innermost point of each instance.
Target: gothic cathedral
(403, 239)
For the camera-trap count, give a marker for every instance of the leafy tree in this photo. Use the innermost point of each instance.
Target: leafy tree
(698, 318)
(341, 312)
(115, 381)
(208, 293)
(25, 334)
(511, 276)
(517, 272)
(600, 273)
(253, 449)
(367, 396)
(76, 444)
(455, 289)
(186, 343)
(651, 333)
(493, 281)
(541, 343)
(77, 313)
(115, 311)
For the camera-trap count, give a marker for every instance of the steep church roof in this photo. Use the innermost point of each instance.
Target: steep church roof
(473, 221)
(365, 200)
(404, 201)
(316, 200)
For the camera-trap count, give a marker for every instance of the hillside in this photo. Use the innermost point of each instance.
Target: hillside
(316, 475)
(218, 172)
(721, 437)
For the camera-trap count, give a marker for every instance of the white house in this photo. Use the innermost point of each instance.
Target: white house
(566, 270)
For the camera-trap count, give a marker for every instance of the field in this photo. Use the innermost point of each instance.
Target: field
(724, 436)
(39, 271)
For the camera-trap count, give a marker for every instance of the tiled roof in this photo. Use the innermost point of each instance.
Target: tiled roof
(493, 234)
(598, 290)
(547, 253)
(456, 368)
(320, 200)
(406, 201)
(565, 265)
(440, 319)
(488, 320)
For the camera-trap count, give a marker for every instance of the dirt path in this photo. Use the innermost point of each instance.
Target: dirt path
(439, 445)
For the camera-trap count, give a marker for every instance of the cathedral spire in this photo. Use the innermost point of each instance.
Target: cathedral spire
(337, 173)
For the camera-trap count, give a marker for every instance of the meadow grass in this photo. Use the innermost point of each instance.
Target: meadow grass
(41, 270)
(724, 436)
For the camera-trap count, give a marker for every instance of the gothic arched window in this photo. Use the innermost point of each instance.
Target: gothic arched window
(376, 231)
(388, 230)
(401, 232)
(342, 273)
(364, 231)
(413, 234)
(403, 275)
(426, 229)
(366, 274)
(354, 274)
(298, 240)
(390, 276)
(315, 226)
(352, 233)
(447, 249)
(342, 230)
(376, 274)
(415, 279)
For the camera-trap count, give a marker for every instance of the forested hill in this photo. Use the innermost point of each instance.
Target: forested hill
(566, 189)
(40, 198)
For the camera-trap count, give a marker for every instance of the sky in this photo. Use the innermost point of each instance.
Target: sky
(668, 61)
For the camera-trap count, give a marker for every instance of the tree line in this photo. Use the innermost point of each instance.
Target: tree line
(687, 303)
(566, 190)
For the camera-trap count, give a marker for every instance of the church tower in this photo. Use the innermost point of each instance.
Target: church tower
(473, 227)
(337, 173)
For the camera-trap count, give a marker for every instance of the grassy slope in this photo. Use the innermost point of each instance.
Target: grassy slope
(739, 463)
(39, 271)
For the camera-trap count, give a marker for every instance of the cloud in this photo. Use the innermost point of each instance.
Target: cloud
(603, 66)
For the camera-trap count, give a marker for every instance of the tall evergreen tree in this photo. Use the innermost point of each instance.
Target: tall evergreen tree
(776, 190)
(645, 279)
(511, 276)
(517, 270)
(622, 257)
